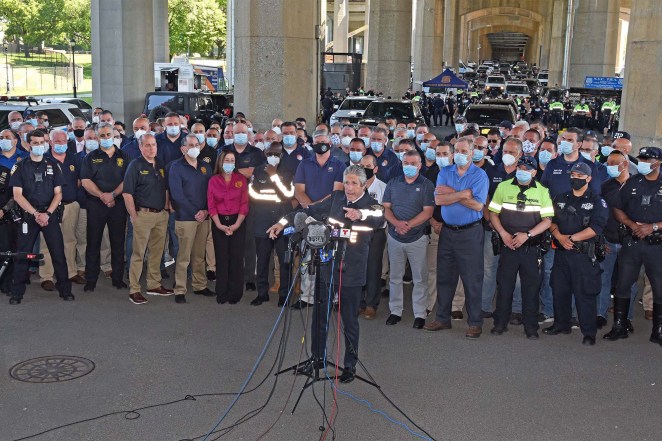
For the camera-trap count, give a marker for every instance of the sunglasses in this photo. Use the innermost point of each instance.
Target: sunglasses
(492, 141)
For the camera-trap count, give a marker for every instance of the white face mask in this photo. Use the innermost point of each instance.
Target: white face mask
(117, 142)
(508, 160)
(260, 145)
(273, 160)
(276, 129)
(193, 152)
(95, 119)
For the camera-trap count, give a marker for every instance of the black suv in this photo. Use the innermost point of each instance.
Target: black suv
(194, 105)
(404, 111)
(489, 116)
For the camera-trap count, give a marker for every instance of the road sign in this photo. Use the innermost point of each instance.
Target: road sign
(613, 83)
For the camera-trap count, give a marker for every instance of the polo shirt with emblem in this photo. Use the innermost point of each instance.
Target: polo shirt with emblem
(146, 183)
(474, 179)
(167, 150)
(389, 165)
(407, 201)
(289, 162)
(188, 187)
(38, 180)
(318, 179)
(556, 176)
(70, 168)
(107, 172)
(250, 157)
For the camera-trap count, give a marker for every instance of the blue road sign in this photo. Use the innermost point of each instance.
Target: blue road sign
(613, 83)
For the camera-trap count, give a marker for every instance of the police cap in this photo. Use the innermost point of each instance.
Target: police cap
(581, 167)
(650, 153)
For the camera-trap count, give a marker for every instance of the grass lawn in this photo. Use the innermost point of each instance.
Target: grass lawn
(50, 60)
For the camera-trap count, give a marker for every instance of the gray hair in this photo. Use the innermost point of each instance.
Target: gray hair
(144, 137)
(190, 136)
(380, 130)
(469, 141)
(356, 170)
(523, 124)
(513, 140)
(104, 125)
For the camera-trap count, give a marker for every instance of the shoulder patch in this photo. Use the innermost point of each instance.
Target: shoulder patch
(13, 169)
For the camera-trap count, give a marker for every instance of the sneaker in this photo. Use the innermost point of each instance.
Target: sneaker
(516, 318)
(160, 291)
(137, 298)
(574, 323)
(544, 318)
(457, 315)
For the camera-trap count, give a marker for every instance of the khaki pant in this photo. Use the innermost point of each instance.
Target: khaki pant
(68, 227)
(192, 237)
(81, 244)
(647, 297)
(210, 257)
(149, 233)
(458, 300)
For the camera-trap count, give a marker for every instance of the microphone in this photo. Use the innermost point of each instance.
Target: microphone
(28, 256)
(300, 221)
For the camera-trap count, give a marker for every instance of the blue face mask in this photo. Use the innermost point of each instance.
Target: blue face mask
(366, 140)
(401, 155)
(228, 167)
(289, 140)
(60, 148)
(644, 167)
(523, 176)
(5, 145)
(376, 146)
(173, 130)
(91, 144)
(409, 170)
(606, 150)
(459, 128)
(38, 150)
(106, 143)
(565, 147)
(425, 146)
(478, 155)
(411, 133)
(461, 159)
(241, 138)
(587, 156)
(544, 156)
(201, 137)
(33, 121)
(355, 157)
(211, 142)
(430, 154)
(613, 171)
(502, 133)
(443, 162)
(71, 136)
(419, 137)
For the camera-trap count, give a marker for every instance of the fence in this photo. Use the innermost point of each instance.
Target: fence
(39, 78)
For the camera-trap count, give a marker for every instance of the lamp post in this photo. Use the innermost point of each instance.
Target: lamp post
(72, 44)
(5, 47)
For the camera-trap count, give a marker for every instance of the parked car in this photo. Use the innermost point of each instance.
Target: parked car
(405, 111)
(351, 108)
(518, 89)
(543, 78)
(192, 105)
(489, 116)
(495, 83)
(83, 105)
(59, 114)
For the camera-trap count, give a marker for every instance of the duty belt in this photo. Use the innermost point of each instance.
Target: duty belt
(461, 227)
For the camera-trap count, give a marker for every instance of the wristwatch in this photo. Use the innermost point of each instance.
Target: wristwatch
(655, 227)
(529, 235)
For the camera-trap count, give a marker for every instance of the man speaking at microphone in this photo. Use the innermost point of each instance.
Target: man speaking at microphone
(353, 208)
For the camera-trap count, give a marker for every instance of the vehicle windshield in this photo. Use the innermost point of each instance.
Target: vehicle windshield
(542, 76)
(384, 110)
(517, 89)
(172, 102)
(487, 117)
(354, 104)
(497, 80)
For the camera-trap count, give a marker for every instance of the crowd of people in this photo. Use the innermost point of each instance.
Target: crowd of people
(520, 225)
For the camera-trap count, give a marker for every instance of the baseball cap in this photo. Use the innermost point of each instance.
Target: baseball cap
(621, 134)
(650, 153)
(528, 161)
(590, 134)
(581, 167)
(507, 124)
(460, 119)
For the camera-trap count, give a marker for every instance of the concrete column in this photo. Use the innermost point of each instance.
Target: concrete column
(390, 47)
(557, 41)
(161, 32)
(451, 34)
(594, 40)
(641, 104)
(229, 44)
(122, 56)
(428, 40)
(340, 25)
(277, 65)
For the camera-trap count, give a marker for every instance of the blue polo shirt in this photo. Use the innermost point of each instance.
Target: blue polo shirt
(168, 151)
(131, 148)
(188, 187)
(70, 175)
(389, 165)
(556, 176)
(318, 179)
(289, 162)
(474, 179)
(13, 159)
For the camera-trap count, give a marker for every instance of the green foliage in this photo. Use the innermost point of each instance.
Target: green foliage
(196, 25)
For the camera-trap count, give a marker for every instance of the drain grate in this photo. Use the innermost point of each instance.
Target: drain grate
(51, 369)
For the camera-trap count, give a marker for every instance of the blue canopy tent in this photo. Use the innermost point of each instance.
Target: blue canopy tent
(445, 80)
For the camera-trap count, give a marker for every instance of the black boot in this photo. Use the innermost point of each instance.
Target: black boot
(620, 328)
(656, 335)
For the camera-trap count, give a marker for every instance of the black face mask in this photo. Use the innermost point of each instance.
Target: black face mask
(321, 148)
(577, 183)
(369, 173)
(79, 133)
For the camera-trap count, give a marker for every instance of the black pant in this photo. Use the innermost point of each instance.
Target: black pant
(629, 263)
(265, 247)
(8, 236)
(25, 244)
(574, 273)
(229, 251)
(373, 282)
(98, 216)
(349, 299)
(249, 250)
(449, 115)
(524, 261)
(438, 116)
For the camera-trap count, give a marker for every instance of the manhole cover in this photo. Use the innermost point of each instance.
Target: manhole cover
(51, 369)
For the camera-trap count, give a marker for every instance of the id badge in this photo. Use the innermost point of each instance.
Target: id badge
(38, 177)
(24, 228)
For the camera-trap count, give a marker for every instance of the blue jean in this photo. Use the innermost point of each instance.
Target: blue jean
(608, 265)
(491, 263)
(172, 241)
(546, 289)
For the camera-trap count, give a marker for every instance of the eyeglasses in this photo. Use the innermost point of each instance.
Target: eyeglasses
(272, 154)
(492, 141)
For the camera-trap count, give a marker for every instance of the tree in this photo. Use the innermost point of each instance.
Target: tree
(195, 25)
(24, 20)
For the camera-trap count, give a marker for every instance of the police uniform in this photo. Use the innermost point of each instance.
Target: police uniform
(39, 180)
(8, 229)
(107, 173)
(147, 184)
(271, 199)
(520, 209)
(577, 271)
(641, 201)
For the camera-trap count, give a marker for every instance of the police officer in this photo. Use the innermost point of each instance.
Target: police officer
(579, 219)
(37, 183)
(520, 212)
(581, 113)
(102, 176)
(271, 196)
(353, 207)
(146, 198)
(640, 209)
